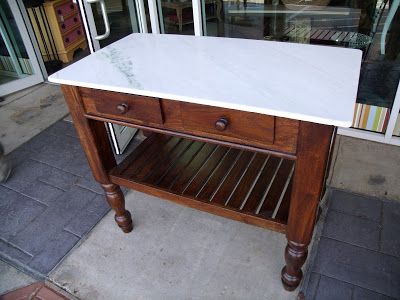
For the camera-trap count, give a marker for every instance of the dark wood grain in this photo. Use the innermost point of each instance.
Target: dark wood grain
(262, 170)
(145, 110)
(94, 140)
(244, 129)
(228, 122)
(215, 175)
(314, 142)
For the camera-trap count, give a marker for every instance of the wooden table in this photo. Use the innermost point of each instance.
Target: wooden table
(262, 169)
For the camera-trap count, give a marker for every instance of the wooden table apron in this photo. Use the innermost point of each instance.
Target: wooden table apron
(310, 153)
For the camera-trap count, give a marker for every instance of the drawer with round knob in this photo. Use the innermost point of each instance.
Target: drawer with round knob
(73, 36)
(69, 23)
(228, 124)
(64, 9)
(124, 107)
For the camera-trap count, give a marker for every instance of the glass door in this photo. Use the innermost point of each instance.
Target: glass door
(372, 26)
(19, 67)
(107, 21)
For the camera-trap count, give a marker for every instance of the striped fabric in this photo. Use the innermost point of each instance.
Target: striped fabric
(370, 117)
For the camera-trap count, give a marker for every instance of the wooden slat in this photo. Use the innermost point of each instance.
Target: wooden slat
(197, 182)
(316, 33)
(288, 30)
(151, 156)
(234, 177)
(179, 165)
(162, 167)
(243, 185)
(179, 184)
(313, 31)
(247, 181)
(322, 34)
(349, 37)
(214, 181)
(209, 207)
(275, 191)
(342, 36)
(329, 35)
(335, 36)
(259, 189)
(138, 151)
(283, 211)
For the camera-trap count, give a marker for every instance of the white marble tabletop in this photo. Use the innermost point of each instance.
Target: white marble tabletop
(304, 82)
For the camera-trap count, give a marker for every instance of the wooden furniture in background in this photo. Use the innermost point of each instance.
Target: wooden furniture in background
(63, 25)
(259, 169)
(180, 19)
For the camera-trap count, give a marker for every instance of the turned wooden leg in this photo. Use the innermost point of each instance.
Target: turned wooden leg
(295, 257)
(313, 148)
(94, 139)
(116, 199)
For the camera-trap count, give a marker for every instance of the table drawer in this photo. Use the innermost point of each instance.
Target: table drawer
(119, 106)
(69, 23)
(73, 36)
(231, 124)
(64, 9)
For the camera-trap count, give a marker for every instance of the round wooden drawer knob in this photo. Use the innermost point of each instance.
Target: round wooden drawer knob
(221, 124)
(122, 108)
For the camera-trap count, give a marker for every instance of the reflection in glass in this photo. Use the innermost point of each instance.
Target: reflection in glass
(373, 26)
(396, 130)
(122, 17)
(14, 60)
(176, 16)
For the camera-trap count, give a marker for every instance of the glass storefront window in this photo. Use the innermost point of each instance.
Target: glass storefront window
(14, 60)
(176, 16)
(396, 130)
(373, 26)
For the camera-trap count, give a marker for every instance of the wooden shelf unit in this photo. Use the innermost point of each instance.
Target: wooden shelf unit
(242, 185)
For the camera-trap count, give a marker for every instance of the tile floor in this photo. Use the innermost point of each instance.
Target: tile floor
(358, 253)
(50, 201)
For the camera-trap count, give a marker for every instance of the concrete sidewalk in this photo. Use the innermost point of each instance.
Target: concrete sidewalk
(174, 252)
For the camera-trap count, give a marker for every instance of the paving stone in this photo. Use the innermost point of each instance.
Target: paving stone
(35, 237)
(59, 178)
(354, 230)
(56, 247)
(61, 152)
(390, 239)
(16, 212)
(359, 266)
(24, 179)
(364, 294)
(88, 182)
(312, 286)
(88, 217)
(13, 253)
(11, 278)
(37, 143)
(62, 128)
(332, 289)
(42, 192)
(18, 156)
(356, 205)
(78, 166)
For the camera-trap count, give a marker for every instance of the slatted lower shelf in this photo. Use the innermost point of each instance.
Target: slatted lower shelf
(250, 187)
